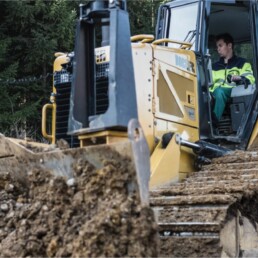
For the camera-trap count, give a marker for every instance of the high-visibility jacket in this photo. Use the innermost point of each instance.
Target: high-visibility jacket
(235, 66)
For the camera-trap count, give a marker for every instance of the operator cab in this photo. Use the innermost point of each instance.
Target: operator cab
(233, 18)
(203, 20)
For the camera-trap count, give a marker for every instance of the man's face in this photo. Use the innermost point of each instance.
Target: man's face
(224, 49)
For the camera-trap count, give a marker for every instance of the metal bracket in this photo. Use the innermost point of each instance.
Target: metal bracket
(141, 157)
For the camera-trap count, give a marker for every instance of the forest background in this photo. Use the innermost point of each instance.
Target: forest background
(30, 33)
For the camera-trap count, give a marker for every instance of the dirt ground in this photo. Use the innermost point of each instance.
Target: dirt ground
(92, 214)
(97, 212)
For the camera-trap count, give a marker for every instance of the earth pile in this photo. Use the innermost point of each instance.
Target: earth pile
(94, 213)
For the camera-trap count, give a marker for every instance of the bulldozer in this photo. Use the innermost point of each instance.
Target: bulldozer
(147, 97)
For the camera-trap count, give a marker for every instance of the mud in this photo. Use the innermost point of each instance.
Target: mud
(39, 148)
(190, 247)
(95, 213)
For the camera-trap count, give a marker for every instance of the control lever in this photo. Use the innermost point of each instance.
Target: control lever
(229, 78)
(242, 81)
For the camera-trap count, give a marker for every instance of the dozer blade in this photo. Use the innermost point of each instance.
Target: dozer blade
(18, 158)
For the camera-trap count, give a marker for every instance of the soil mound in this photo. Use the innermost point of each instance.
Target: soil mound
(93, 214)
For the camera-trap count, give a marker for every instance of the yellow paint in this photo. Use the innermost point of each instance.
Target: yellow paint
(253, 142)
(61, 58)
(142, 60)
(165, 40)
(50, 137)
(167, 98)
(143, 38)
(165, 164)
(104, 137)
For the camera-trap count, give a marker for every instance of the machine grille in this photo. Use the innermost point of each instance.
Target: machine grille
(62, 83)
(102, 71)
(101, 104)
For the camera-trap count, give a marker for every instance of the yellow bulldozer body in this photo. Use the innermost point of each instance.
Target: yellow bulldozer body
(166, 90)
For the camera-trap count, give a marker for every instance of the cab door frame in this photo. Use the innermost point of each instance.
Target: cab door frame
(251, 130)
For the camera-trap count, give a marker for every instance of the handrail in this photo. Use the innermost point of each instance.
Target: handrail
(143, 38)
(57, 54)
(44, 121)
(165, 40)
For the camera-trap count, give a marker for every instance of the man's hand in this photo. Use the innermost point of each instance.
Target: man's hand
(236, 78)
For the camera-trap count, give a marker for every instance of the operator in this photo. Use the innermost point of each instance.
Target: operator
(227, 73)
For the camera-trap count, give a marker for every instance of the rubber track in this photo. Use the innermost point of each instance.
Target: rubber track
(191, 214)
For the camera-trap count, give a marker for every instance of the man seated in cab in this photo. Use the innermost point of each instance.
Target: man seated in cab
(227, 73)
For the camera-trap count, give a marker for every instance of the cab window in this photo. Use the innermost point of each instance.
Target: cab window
(183, 31)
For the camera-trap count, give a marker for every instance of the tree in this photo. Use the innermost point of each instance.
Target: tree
(36, 30)
(6, 99)
(143, 15)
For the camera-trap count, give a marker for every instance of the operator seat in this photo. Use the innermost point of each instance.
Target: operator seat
(241, 101)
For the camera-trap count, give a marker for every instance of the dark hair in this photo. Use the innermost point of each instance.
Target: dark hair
(226, 37)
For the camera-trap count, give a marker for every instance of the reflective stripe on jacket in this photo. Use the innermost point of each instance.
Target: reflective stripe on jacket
(235, 66)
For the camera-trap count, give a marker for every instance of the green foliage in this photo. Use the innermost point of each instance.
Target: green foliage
(143, 15)
(36, 30)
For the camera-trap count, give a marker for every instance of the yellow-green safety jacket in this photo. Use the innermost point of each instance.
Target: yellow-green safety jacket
(235, 66)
